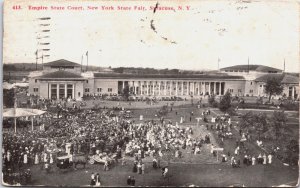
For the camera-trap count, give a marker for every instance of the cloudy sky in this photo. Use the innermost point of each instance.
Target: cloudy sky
(211, 31)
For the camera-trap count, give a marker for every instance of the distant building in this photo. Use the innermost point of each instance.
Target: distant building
(64, 79)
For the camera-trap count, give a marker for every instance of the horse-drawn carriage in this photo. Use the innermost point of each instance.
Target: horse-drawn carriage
(102, 158)
(71, 161)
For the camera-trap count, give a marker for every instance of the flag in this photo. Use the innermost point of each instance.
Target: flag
(87, 53)
(36, 52)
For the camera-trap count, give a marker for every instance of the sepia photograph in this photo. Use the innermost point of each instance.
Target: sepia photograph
(124, 93)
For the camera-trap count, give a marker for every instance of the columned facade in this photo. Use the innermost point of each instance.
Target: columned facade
(162, 88)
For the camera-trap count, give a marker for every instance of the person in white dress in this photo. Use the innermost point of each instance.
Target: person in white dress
(51, 158)
(98, 183)
(36, 159)
(265, 159)
(45, 157)
(253, 160)
(25, 161)
(165, 172)
(269, 159)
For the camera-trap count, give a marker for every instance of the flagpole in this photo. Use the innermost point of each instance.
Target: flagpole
(248, 65)
(81, 62)
(284, 65)
(87, 60)
(42, 60)
(36, 59)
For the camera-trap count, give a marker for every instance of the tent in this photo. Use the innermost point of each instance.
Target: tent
(7, 85)
(21, 112)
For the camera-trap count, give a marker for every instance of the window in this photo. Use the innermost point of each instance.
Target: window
(239, 90)
(109, 89)
(61, 91)
(69, 91)
(260, 85)
(230, 90)
(251, 91)
(87, 90)
(87, 81)
(99, 89)
(250, 83)
(35, 89)
(53, 91)
(35, 80)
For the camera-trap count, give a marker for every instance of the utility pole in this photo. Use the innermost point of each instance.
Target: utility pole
(248, 65)
(36, 59)
(81, 62)
(43, 29)
(87, 60)
(284, 65)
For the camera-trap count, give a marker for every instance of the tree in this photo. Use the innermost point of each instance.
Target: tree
(278, 124)
(254, 123)
(9, 98)
(260, 123)
(273, 87)
(225, 102)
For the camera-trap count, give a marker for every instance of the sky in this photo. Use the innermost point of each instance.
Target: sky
(209, 35)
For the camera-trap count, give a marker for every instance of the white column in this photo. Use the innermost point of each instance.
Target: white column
(65, 91)
(147, 87)
(49, 87)
(159, 87)
(123, 86)
(57, 93)
(187, 88)
(165, 91)
(215, 87)
(198, 83)
(176, 88)
(219, 88)
(171, 88)
(135, 90)
(182, 88)
(153, 84)
(73, 91)
(293, 92)
(193, 89)
(209, 89)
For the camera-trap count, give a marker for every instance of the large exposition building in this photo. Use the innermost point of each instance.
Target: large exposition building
(64, 79)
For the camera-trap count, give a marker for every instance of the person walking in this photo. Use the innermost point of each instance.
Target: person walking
(132, 181)
(98, 183)
(105, 167)
(264, 159)
(93, 181)
(154, 164)
(143, 168)
(139, 167)
(269, 159)
(129, 181)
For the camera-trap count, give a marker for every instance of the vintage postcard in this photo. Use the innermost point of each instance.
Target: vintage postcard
(150, 93)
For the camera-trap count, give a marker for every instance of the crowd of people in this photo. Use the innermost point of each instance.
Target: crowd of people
(106, 132)
(91, 133)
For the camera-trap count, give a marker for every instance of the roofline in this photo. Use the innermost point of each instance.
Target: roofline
(213, 79)
(61, 79)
